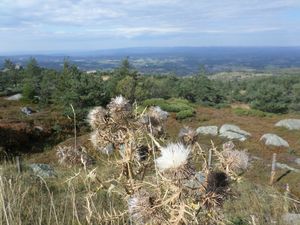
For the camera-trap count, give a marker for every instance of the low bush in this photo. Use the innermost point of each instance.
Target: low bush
(185, 114)
(251, 112)
(182, 107)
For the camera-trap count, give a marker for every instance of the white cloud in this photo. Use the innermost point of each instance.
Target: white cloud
(137, 31)
(134, 19)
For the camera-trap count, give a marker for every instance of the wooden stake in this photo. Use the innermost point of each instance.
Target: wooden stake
(18, 162)
(286, 198)
(75, 127)
(273, 171)
(209, 158)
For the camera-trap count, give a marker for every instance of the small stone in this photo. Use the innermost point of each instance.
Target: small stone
(233, 136)
(196, 182)
(208, 130)
(43, 170)
(291, 219)
(15, 97)
(275, 140)
(109, 149)
(26, 110)
(233, 128)
(291, 124)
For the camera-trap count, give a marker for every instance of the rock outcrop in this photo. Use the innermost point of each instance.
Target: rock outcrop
(208, 130)
(291, 219)
(275, 140)
(42, 170)
(291, 124)
(232, 132)
(15, 97)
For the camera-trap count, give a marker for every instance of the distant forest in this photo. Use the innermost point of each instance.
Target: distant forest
(70, 85)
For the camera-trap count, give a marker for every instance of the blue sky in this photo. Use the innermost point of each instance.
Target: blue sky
(58, 25)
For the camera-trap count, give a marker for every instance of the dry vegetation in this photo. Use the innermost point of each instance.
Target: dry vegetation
(132, 173)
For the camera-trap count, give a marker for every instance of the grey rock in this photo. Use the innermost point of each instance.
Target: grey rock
(291, 219)
(275, 140)
(233, 128)
(286, 167)
(196, 182)
(208, 130)
(26, 110)
(15, 97)
(297, 161)
(109, 149)
(291, 124)
(43, 170)
(233, 136)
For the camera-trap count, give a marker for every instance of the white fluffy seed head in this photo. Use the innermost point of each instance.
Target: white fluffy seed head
(95, 139)
(173, 156)
(97, 117)
(119, 102)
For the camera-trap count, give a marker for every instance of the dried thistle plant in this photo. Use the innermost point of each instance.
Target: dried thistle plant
(153, 121)
(97, 118)
(178, 187)
(235, 160)
(229, 145)
(187, 135)
(119, 109)
(100, 143)
(70, 156)
(157, 113)
(143, 208)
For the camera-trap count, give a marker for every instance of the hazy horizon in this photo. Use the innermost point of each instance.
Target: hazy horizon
(124, 49)
(86, 25)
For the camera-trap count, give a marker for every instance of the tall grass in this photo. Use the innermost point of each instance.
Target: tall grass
(73, 198)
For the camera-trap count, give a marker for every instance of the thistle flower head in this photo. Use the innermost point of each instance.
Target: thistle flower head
(172, 157)
(142, 153)
(119, 103)
(157, 113)
(235, 160)
(119, 108)
(187, 135)
(217, 182)
(97, 117)
(229, 145)
(174, 163)
(141, 208)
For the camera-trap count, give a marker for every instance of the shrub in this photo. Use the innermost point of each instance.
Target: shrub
(185, 114)
(171, 105)
(182, 107)
(251, 112)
